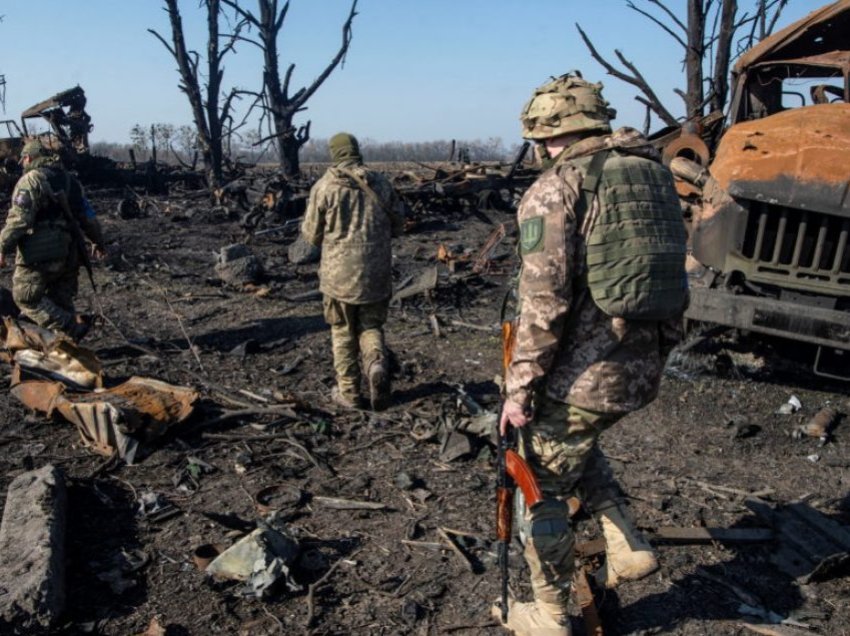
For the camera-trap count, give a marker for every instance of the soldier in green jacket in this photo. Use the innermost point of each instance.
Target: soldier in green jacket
(352, 214)
(602, 290)
(46, 204)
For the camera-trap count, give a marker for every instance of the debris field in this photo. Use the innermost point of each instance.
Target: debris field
(354, 522)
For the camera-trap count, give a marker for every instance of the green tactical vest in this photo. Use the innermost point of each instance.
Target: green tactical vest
(636, 244)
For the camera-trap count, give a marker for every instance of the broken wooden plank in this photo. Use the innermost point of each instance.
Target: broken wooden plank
(710, 535)
(584, 596)
(463, 556)
(348, 504)
(775, 630)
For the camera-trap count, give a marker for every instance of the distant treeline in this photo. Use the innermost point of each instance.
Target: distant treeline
(177, 145)
(492, 149)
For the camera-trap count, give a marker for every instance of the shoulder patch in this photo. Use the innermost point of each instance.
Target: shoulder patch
(531, 235)
(22, 199)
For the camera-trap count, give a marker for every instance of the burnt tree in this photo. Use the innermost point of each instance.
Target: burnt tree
(706, 34)
(209, 112)
(279, 103)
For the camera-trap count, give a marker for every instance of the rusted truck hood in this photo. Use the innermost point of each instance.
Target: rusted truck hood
(798, 158)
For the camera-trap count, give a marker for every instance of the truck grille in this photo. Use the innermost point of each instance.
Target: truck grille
(786, 244)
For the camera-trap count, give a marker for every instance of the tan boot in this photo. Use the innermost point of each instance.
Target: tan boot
(628, 555)
(537, 618)
(379, 386)
(343, 400)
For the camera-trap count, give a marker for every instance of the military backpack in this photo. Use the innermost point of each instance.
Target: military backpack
(635, 241)
(49, 239)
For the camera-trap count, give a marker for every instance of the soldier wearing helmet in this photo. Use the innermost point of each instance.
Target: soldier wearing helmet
(46, 201)
(601, 293)
(352, 215)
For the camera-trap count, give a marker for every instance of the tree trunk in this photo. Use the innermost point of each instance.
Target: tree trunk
(281, 106)
(693, 59)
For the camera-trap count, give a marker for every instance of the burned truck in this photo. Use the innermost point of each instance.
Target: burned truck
(770, 249)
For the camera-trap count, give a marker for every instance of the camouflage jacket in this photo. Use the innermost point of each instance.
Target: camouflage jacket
(565, 345)
(354, 228)
(34, 193)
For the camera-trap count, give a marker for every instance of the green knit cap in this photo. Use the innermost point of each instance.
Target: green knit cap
(344, 147)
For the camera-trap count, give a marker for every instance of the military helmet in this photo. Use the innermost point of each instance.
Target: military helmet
(564, 105)
(33, 149)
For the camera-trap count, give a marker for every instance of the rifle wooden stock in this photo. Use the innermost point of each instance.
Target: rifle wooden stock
(523, 477)
(507, 344)
(504, 513)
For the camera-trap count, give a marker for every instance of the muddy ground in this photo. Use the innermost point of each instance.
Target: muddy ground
(687, 460)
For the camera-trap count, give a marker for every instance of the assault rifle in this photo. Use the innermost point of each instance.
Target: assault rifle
(513, 472)
(277, 228)
(78, 239)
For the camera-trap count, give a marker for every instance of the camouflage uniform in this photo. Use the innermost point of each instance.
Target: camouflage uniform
(352, 214)
(578, 368)
(44, 283)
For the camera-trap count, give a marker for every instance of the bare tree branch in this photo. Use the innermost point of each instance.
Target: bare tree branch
(670, 13)
(658, 22)
(278, 25)
(778, 11)
(286, 79)
(343, 49)
(165, 43)
(636, 79)
(247, 15)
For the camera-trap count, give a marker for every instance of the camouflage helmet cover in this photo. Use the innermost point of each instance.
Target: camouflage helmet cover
(564, 105)
(33, 149)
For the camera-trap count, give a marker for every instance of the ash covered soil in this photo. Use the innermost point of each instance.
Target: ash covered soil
(688, 460)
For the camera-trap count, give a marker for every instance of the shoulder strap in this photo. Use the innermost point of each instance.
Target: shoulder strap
(588, 189)
(360, 181)
(589, 186)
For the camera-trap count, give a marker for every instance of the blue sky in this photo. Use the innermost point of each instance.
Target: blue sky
(416, 70)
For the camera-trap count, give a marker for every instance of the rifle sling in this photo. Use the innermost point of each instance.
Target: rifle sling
(360, 181)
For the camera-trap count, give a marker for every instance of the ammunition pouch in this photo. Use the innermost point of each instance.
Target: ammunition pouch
(48, 242)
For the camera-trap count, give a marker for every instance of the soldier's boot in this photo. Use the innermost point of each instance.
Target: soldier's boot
(379, 386)
(80, 327)
(346, 393)
(375, 364)
(550, 553)
(345, 400)
(537, 618)
(628, 555)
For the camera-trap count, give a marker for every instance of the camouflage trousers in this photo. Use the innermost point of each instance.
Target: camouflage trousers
(356, 332)
(560, 446)
(45, 294)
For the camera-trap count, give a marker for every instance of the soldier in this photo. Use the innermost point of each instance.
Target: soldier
(48, 211)
(601, 295)
(352, 214)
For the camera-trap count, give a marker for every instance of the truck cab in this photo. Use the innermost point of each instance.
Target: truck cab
(770, 249)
